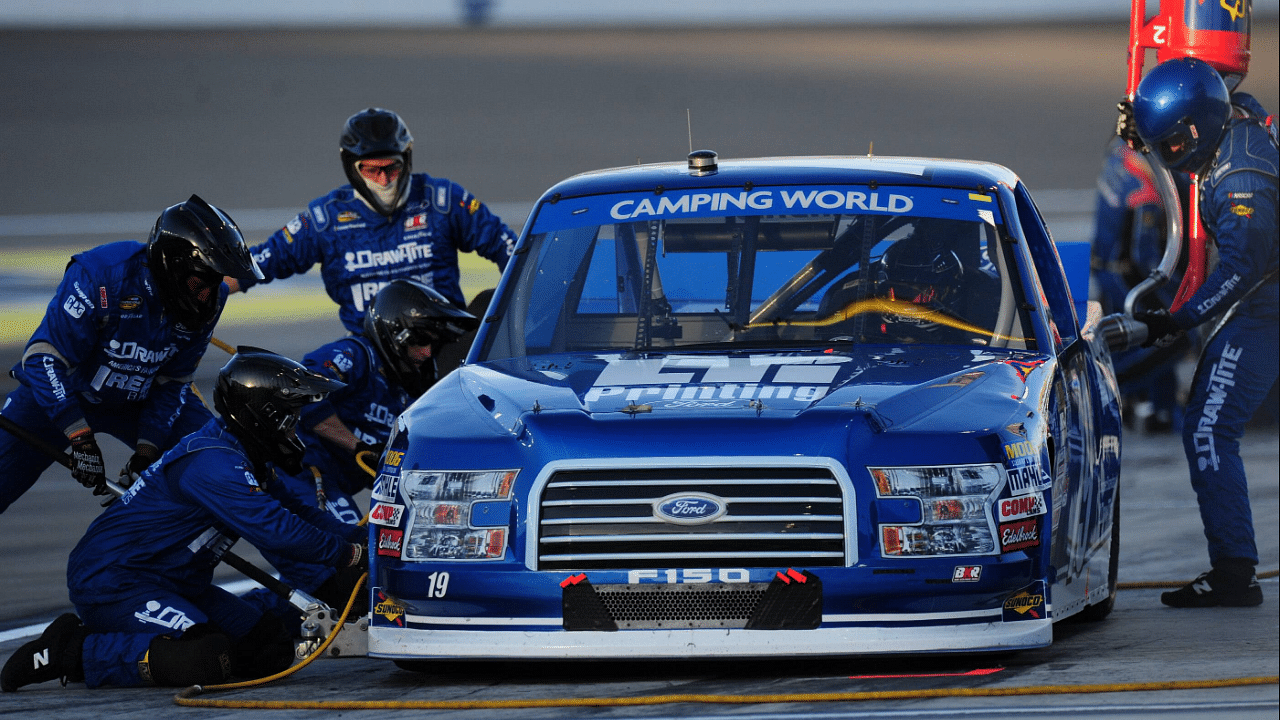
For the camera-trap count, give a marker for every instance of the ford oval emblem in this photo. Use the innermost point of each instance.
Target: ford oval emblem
(689, 508)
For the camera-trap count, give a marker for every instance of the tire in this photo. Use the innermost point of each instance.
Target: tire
(1100, 610)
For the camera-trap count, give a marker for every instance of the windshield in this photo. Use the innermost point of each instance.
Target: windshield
(763, 268)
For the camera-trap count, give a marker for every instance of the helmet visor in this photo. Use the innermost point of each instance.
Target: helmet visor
(380, 172)
(1174, 148)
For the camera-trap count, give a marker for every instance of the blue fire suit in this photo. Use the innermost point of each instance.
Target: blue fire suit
(1239, 362)
(145, 566)
(368, 406)
(1128, 243)
(359, 251)
(107, 356)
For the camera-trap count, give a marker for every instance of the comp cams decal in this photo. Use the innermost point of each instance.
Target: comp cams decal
(1021, 506)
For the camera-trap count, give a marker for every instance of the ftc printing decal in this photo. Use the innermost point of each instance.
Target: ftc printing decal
(677, 381)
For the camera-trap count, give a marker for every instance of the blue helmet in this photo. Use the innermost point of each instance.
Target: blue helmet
(1181, 109)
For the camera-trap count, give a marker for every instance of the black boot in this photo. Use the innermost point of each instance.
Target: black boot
(1231, 583)
(55, 655)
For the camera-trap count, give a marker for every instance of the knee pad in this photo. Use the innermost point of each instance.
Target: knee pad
(266, 650)
(201, 656)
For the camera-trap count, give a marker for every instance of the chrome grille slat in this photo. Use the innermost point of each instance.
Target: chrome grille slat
(602, 518)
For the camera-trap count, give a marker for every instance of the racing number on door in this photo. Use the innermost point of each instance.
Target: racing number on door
(438, 584)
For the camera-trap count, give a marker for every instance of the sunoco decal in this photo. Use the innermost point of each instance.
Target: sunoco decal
(388, 608)
(1028, 604)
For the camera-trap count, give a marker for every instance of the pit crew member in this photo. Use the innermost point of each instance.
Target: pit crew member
(388, 223)
(118, 345)
(383, 369)
(141, 577)
(1183, 112)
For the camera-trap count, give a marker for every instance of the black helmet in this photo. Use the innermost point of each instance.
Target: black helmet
(922, 271)
(260, 394)
(377, 134)
(407, 313)
(1181, 109)
(192, 246)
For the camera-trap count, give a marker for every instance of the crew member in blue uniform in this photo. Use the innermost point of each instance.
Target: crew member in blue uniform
(382, 369)
(388, 223)
(1183, 112)
(118, 346)
(141, 577)
(1128, 243)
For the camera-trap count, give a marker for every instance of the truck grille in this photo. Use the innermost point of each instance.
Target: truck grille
(604, 519)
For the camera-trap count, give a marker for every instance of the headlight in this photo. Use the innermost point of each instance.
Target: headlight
(451, 516)
(953, 509)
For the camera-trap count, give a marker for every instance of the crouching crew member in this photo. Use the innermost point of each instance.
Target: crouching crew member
(141, 578)
(383, 370)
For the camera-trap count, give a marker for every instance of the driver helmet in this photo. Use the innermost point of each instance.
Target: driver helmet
(377, 157)
(408, 323)
(920, 272)
(1181, 109)
(192, 246)
(260, 395)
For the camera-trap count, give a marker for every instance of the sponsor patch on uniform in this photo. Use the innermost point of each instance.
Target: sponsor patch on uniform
(1019, 535)
(1243, 211)
(415, 221)
(967, 573)
(294, 226)
(389, 608)
(133, 302)
(390, 542)
(1028, 604)
(473, 206)
(1240, 196)
(347, 216)
(102, 297)
(318, 214)
(73, 307)
(386, 514)
(1022, 506)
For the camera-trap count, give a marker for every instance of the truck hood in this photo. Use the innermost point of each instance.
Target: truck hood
(899, 388)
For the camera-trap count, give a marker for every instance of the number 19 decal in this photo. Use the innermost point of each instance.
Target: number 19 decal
(438, 584)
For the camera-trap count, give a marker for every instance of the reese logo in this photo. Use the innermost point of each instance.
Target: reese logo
(1027, 604)
(386, 514)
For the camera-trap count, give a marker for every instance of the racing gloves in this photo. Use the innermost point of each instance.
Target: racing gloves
(1126, 128)
(1162, 329)
(87, 466)
(141, 460)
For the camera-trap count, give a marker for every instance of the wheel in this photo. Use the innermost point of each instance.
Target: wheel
(1100, 610)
